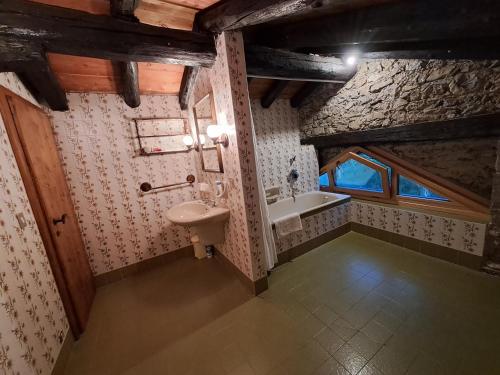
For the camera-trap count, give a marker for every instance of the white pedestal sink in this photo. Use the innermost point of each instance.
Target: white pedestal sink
(207, 222)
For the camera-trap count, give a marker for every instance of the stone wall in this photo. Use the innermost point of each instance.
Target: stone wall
(386, 93)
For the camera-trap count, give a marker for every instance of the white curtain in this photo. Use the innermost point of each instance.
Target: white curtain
(267, 229)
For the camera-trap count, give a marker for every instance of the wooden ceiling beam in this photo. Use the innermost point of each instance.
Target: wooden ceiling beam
(470, 127)
(31, 65)
(130, 83)
(124, 8)
(187, 85)
(264, 62)
(129, 70)
(188, 77)
(274, 92)
(236, 14)
(400, 26)
(78, 33)
(305, 91)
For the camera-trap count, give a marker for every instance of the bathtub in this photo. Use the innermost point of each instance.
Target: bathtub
(306, 204)
(324, 216)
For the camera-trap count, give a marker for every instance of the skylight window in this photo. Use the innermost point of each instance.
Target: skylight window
(324, 180)
(354, 175)
(378, 175)
(410, 188)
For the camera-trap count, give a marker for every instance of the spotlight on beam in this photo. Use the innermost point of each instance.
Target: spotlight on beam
(351, 59)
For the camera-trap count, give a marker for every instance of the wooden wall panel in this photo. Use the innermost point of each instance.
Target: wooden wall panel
(90, 6)
(159, 13)
(196, 4)
(83, 74)
(160, 78)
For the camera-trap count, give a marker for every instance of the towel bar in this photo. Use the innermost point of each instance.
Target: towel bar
(146, 186)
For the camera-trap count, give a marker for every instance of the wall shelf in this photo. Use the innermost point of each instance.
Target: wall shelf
(162, 134)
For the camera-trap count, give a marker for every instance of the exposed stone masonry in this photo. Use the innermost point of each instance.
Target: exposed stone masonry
(386, 93)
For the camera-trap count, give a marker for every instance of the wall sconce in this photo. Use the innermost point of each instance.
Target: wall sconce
(217, 136)
(190, 143)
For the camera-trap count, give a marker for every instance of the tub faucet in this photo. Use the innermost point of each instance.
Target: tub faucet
(292, 178)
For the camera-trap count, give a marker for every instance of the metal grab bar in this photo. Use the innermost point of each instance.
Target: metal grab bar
(146, 186)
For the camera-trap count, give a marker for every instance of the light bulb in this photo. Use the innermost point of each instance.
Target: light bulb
(351, 60)
(188, 140)
(214, 131)
(202, 139)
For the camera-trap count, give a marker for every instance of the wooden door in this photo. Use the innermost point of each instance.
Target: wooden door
(33, 142)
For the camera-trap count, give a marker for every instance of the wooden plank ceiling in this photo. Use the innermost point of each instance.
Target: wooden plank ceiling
(83, 74)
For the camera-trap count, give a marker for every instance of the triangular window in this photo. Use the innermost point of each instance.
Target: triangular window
(412, 189)
(378, 175)
(352, 174)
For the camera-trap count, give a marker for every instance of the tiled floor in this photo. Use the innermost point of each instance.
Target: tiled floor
(353, 306)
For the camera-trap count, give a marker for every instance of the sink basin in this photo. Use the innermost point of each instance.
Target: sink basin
(207, 222)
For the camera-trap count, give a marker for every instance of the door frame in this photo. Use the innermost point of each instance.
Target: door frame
(36, 205)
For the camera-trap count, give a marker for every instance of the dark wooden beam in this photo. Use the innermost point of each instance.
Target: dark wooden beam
(305, 91)
(274, 92)
(273, 63)
(129, 70)
(401, 26)
(40, 80)
(124, 8)
(31, 65)
(130, 83)
(470, 127)
(441, 50)
(187, 85)
(188, 77)
(236, 14)
(72, 32)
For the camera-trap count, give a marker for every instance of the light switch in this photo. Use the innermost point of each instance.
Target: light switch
(21, 220)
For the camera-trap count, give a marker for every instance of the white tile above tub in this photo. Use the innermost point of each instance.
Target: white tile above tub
(473, 237)
(399, 222)
(415, 226)
(432, 227)
(449, 235)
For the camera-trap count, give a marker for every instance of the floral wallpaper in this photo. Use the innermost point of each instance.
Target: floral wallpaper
(277, 131)
(314, 226)
(120, 225)
(457, 234)
(33, 324)
(227, 80)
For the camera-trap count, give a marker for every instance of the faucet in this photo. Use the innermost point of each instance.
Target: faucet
(292, 178)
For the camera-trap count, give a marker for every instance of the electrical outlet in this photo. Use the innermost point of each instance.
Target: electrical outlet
(21, 220)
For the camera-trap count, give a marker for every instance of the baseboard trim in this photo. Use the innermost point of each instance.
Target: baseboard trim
(427, 248)
(62, 359)
(142, 266)
(294, 252)
(255, 287)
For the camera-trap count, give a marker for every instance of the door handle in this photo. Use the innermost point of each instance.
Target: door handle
(62, 220)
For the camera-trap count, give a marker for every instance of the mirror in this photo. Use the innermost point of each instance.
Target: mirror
(157, 136)
(210, 153)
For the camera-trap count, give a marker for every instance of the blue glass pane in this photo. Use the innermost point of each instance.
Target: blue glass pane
(410, 188)
(378, 162)
(354, 175)
(324, 181)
